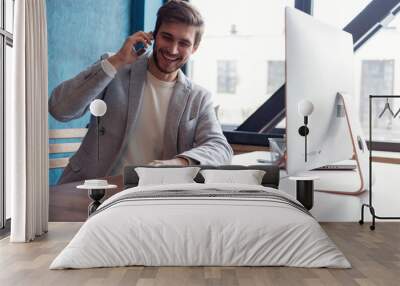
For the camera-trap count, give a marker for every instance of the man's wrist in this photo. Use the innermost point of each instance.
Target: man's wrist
(115, 61)
(108, 68)
(184, 161)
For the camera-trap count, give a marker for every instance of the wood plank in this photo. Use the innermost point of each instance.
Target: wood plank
(239, 148)
(55, 148)
(386, 160)
(67, 133)
(58, 163)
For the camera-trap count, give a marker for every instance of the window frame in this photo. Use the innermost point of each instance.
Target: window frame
(6, 39)
(2, 92)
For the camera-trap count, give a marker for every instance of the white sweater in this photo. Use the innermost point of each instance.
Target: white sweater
(146, 138)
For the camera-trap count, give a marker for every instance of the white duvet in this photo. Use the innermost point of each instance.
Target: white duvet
(227, 231)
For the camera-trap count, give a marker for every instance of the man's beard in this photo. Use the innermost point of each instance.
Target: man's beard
(155, 54)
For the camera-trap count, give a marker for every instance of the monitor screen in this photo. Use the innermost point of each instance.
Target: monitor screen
(319, 65)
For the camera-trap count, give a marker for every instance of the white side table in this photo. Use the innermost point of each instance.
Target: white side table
(305, 190)
(96, 193)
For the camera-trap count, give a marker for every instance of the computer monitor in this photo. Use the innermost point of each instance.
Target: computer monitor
(319, 68)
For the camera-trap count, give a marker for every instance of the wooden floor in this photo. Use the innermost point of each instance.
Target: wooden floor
(375, 257)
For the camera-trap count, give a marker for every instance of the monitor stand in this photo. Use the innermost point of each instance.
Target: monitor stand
(360, 149)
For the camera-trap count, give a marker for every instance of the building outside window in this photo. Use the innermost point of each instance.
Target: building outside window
(377, 78)
(276, 75)
(251, 34)
(377, 68)
(227, 76)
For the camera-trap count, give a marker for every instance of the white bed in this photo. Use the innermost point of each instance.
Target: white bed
(225, 225)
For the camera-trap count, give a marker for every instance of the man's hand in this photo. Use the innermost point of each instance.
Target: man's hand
(173, 162)
(127, 54)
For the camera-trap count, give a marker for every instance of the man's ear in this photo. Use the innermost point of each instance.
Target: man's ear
(195, 49)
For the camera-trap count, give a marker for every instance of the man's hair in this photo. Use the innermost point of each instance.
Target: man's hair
(177, 11)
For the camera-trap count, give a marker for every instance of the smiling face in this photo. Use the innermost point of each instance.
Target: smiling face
(173, 46)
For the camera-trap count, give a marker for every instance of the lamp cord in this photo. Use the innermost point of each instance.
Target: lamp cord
(305, 148)
(98, 138)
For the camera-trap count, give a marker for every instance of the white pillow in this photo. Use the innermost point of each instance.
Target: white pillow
(163, 176)
(248, 177)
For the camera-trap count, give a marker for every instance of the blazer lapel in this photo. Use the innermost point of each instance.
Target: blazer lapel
(136, 87)
(175, 110)
(135, 97)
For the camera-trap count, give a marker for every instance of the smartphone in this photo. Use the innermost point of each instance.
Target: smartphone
(139, 48)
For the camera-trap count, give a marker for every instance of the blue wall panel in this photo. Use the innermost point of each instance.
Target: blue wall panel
(79, 32)
(144, 14)
(151, 8)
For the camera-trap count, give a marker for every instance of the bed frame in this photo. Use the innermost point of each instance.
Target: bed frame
(270, 179)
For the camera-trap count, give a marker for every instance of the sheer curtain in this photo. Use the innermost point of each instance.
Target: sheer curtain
(27, 142)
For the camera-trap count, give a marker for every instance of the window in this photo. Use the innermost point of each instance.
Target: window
(377, 78)
(276, 75)
(6, 44)
(251, 34)
(254, 31)
(338, 13)
(227, 77)
(377, 72)
(377, 65)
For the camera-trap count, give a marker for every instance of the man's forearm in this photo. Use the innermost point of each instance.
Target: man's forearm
(70, 99)
(177, 161)
(189, 161)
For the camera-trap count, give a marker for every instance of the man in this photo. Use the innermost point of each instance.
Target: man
(155, 114)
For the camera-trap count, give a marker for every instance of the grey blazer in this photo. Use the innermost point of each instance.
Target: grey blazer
(191, 129)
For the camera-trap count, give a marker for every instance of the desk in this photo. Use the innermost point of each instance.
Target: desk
(327, 206)
(68, 204)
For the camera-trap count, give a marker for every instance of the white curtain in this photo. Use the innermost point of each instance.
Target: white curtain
(27, 148)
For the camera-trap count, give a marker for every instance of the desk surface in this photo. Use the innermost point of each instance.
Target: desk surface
(328, 179)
